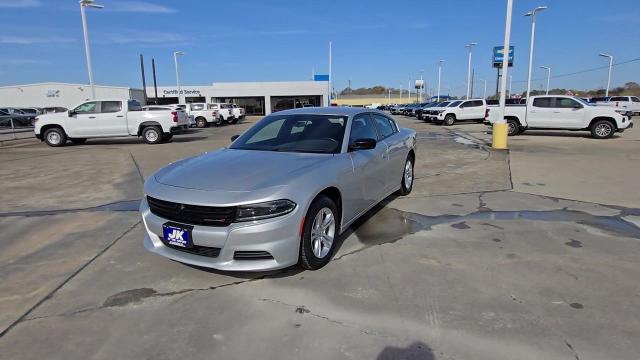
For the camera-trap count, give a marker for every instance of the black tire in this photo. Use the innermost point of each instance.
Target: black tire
(308, 259)
(220, 121)
(152, 135)
(167, 137)
(406, 183)
(55, 137)
(234, 120)
(201, 122)
(78, 141)
(513, 127)
(602, 129)
(420, 117)
(449, 120)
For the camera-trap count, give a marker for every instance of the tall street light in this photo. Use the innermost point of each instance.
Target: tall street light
(175, 60)
(85, 32)
(469, 48)
(500, 127)
(610, 65)
(439, 77)
(484, 96)
(532, 14)
(548, 76)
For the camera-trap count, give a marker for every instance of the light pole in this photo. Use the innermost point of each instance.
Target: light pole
(85, 32)
(548, 76)
(330, 58)
(389, 101)
(421, 90)
(510, 83)
(439, 77)
(500, 126)
(610, 65)
(484, 96)
(533, 14)
(175, 60)
(469, 47)
(400, 94)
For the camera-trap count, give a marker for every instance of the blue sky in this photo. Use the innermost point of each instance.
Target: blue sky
(374, 42)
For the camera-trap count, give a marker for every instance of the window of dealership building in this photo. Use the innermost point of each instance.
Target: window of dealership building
(258, 98)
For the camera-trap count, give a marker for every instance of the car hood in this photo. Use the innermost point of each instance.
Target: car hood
(238, 170)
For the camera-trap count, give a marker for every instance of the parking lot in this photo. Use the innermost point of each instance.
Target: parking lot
(525, 254)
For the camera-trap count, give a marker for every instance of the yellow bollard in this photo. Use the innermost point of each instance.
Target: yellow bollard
(500, 133)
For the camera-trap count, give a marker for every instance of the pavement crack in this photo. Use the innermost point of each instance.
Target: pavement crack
(135, 164)
(302, 310)
(69, 278)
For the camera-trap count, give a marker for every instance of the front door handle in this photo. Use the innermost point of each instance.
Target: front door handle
(119, 115)
(92, 117)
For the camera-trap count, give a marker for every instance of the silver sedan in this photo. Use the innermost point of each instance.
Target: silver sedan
(281, 193)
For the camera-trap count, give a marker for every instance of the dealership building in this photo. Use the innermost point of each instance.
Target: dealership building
(258, 98)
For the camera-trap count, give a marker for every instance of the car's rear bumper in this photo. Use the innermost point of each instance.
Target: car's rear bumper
(278, 237)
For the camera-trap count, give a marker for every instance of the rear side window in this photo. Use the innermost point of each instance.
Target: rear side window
(110, 106)
(385, 126)
(542, 102)
(197, 106)
(477, 103)
(134, 105)
(619, 98)
(635, 99)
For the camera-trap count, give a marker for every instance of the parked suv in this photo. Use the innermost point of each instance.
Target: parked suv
(467, 110)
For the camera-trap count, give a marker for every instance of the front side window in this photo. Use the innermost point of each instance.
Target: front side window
(307, 133)
(384, 125)
(454, 104)
(635, 99)
(87, 108)
(110, 106)
(619, 98)
(197, 107)
(362, 127)
(466, 104)
(566, 103)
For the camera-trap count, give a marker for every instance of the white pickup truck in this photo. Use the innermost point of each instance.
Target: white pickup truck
(237, 113)
(229, 113)
(202, 115)
(623, 104)
(556, 112)
(468, 110)
(109, 118)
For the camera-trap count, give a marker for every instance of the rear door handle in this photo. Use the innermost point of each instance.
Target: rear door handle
(119, 115)
(92, 117)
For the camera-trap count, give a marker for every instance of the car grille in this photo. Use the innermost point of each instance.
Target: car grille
(252, 255)
(196, 249)
(192, 214)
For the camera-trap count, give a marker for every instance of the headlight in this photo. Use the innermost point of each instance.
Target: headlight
(440, 111)
(264, 210)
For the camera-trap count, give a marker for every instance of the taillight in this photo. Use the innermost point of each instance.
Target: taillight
(215, 113)
(175, 116)
(486, 114)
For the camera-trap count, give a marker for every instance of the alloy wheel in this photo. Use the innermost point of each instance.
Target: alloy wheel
(323, 232)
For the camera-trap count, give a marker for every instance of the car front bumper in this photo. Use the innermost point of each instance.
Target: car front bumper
(278, 236)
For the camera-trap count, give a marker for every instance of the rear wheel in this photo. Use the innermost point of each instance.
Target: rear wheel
(513, 127)
(407, 177)
(201, 122)
(152, 135)
(319, 234)
(449, 120)
(55, 137)
(602, 129)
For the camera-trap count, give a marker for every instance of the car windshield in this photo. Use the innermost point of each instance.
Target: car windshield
(306, 133)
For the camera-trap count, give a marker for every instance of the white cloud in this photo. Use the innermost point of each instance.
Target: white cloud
(143, 37)
(18, 4)
(139, 7)
(18, 62)
(30, 40)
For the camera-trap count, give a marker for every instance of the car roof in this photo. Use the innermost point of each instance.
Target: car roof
(334, 110)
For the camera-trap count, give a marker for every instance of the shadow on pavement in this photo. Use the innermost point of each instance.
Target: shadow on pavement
(416, 351)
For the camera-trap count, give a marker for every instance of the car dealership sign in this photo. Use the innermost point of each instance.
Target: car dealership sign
(498, 56)
(182, 92)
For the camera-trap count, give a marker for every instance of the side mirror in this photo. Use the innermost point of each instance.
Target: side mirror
(363, 144)
(234, 137)
(577, 106)
(71, 113)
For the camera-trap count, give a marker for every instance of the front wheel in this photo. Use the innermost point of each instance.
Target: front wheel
(602, 129)
(55, 137)
(152, 135)
(449, 120)
(406, 185)
(319, 234)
